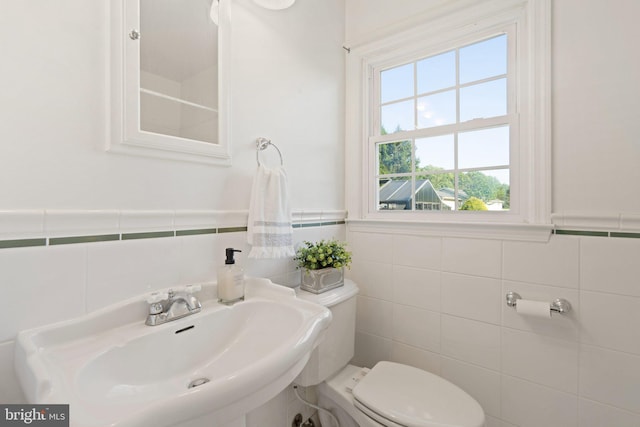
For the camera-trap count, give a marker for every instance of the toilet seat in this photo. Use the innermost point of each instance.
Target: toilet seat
(397, 395)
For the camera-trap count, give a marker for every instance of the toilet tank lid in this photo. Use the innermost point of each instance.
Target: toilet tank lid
(411, 397)
(331, 297)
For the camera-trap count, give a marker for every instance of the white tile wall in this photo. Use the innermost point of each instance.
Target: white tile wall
(42, 285)
(435, 303)
(471, 341)
(580, 369)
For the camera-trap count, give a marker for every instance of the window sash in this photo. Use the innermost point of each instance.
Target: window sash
(511, 118)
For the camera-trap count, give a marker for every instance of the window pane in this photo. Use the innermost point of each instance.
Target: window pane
(437, 72)
(437, 110)
(482, 148)
(437, 195)
(434, 153)
(483, 100)
(484, 59)
(396, 83)
(426, 196)
(485, 190)
(394, 157)
(394, 194)
(397, 117)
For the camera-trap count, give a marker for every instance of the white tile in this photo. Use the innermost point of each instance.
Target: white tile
(471, 341)
(594, 414)
(605, 319)
(229, 218)
(40, 286)
(199, 258)
(121, 270)
(416, 287)
(482, 384)
(141, 221)
(417, 251)
(10, 390)
(371, 247)
(476, 257)
(552, 263)
(610, 377)
(630, 222)
(610, 265)
(64, 223)
(374, 279)
(16, 224)
(543, 360)
(413, 356)
(563, 326)
(474, 297)
(194, 219)
(374, 316)
(370, 349)
(416, 327)
(526, 404)
(273, 412)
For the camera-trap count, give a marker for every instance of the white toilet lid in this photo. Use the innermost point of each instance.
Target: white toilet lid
(411, 397)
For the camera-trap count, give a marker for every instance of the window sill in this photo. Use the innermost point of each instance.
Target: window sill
(475, 230)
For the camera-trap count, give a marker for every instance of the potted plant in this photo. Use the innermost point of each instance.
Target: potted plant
(322, 265)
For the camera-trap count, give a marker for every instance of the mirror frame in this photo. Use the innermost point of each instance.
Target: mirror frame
(125, 135)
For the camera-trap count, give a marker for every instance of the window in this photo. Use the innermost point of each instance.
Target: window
(453, 112)
(454, 117)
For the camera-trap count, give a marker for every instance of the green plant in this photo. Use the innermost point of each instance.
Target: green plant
(474, 204)
(323, 254)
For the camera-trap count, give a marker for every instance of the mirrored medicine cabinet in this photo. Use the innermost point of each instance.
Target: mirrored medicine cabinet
(170, 87)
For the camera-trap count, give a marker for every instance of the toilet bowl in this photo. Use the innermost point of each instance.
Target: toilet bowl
(389, 394)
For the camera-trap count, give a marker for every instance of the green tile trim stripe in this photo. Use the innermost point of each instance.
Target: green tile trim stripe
(591, 233)
(318, 224)
(148, 235)
(66, 240)
(232, 229)
(83, 239)
(583, 233)
(623, 234)
(22, 243)
(196, 232)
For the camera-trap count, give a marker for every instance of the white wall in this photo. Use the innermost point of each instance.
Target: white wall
(438, 302)
(58, 181)
(286, 85)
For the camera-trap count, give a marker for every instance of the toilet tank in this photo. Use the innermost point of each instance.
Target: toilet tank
(337, 348)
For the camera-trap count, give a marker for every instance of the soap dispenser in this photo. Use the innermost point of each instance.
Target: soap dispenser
(230, 279)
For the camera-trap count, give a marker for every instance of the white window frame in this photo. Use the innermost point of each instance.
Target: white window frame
(529, 24)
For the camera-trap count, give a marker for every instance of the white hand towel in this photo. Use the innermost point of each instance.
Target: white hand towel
(269, 231)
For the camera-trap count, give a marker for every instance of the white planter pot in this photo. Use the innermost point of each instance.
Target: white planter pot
(322, 280)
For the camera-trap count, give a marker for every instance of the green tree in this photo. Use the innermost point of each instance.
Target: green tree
(394, 157)
(438, 180)
(473, 204)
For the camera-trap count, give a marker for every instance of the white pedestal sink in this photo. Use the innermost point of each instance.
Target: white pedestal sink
(215, 365)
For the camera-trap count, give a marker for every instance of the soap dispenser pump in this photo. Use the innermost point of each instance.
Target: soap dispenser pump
(230, 279)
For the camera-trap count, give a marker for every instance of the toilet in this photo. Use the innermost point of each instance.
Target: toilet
(389, 394)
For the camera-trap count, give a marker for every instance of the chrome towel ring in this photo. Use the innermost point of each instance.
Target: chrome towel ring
(262, 144)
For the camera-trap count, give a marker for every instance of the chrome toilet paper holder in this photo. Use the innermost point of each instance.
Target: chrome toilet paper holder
(559, 305)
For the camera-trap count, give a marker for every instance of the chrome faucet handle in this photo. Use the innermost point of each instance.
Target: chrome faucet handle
(192, 288)
(157, 297)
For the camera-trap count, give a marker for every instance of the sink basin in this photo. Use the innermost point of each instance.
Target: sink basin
(215, 365)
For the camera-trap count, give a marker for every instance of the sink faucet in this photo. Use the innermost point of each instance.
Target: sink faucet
(172, 305)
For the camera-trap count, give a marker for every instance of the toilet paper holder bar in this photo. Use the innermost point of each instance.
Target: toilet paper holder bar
(559, 305)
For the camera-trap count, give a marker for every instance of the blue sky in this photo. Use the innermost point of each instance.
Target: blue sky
(422, 94)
